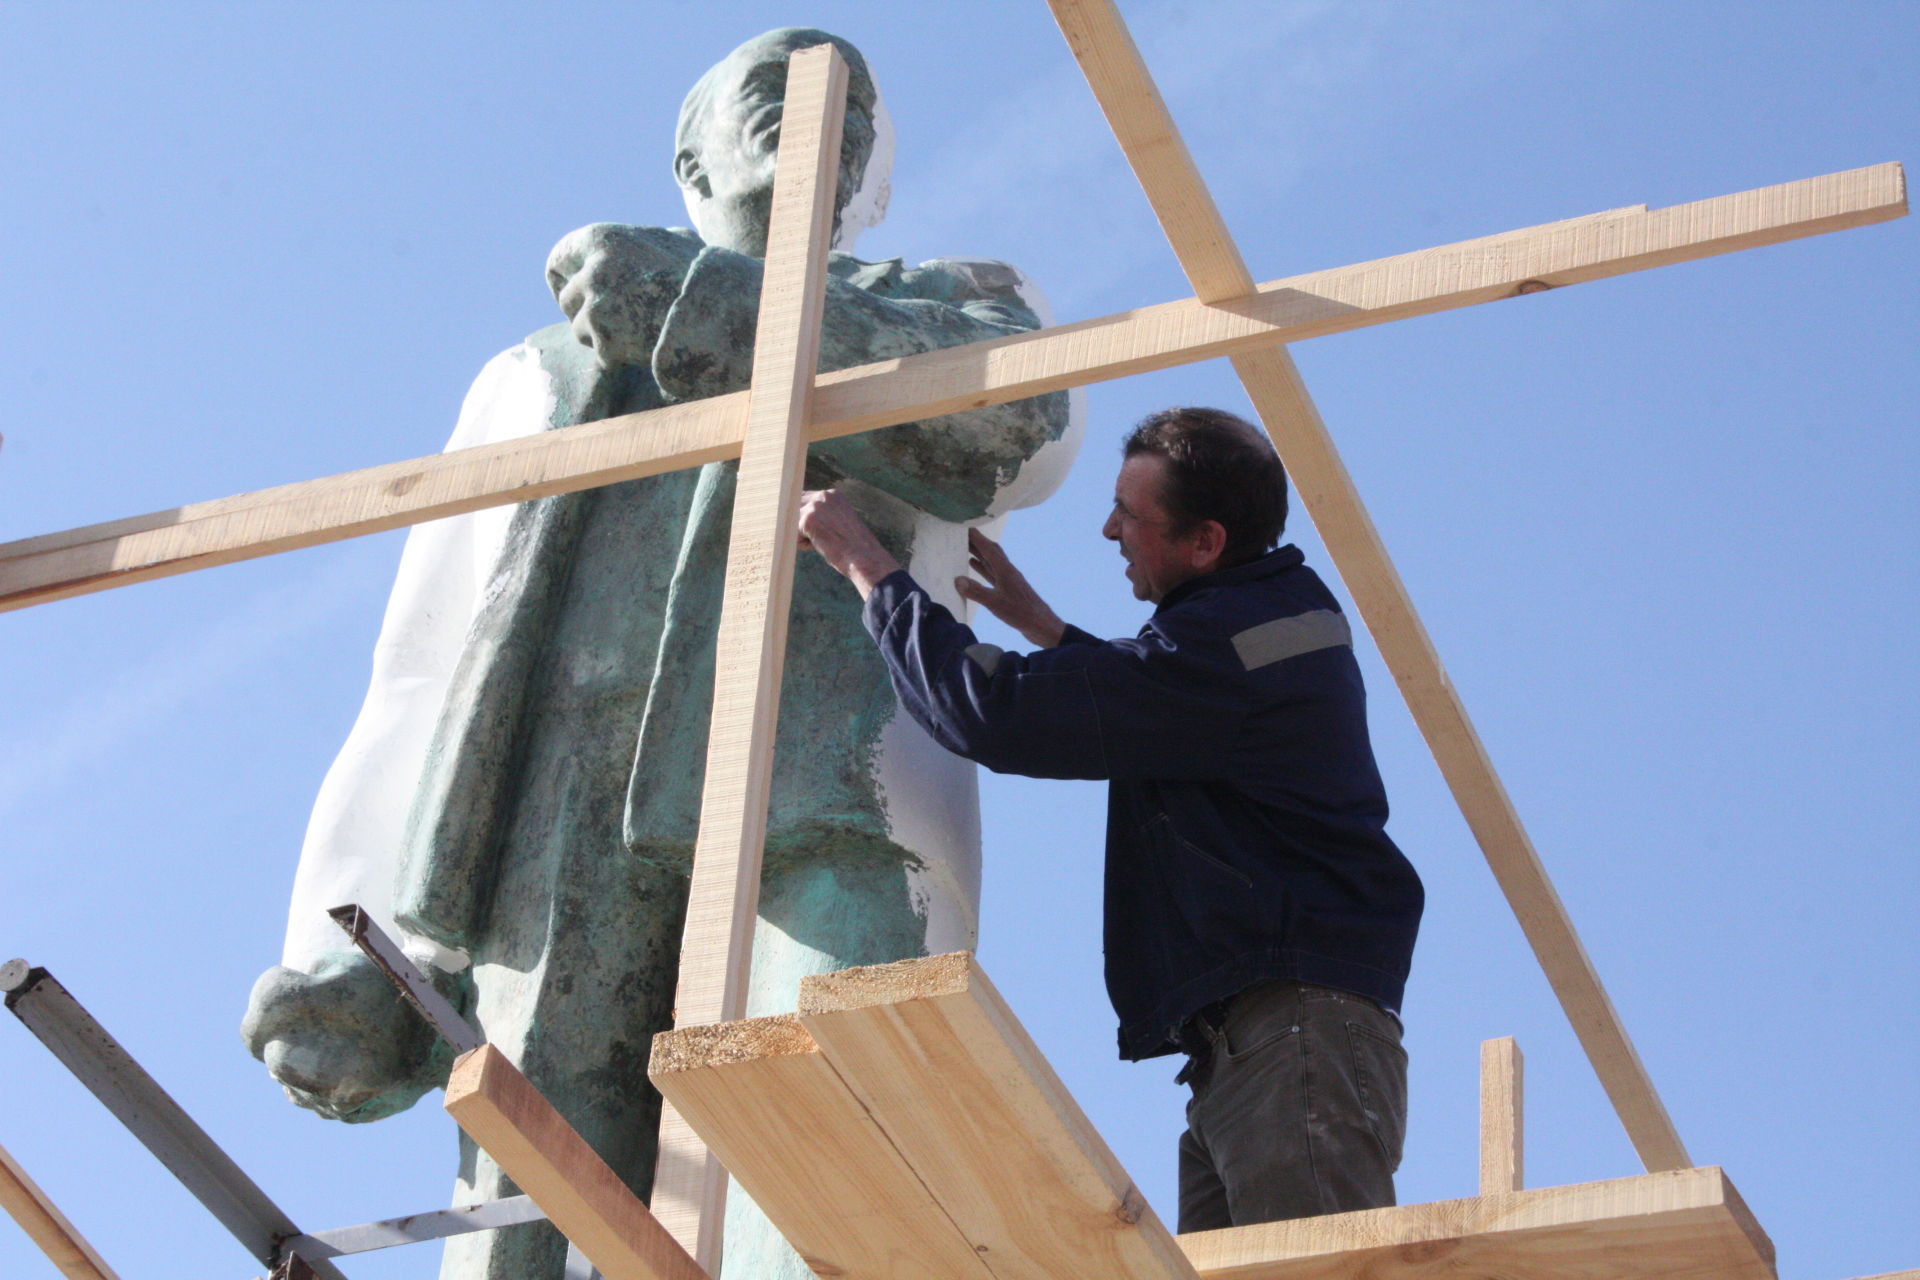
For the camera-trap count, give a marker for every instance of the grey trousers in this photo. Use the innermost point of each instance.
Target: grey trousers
(1299, 1107)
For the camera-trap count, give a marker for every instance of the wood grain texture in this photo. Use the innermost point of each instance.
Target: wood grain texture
(722, 903)
(46, 1226)
(1144, 127)
(1146, 133)
(139, 548)
(1684, 1223)
(766, 1099)
(489, 1098)
(1327, 491)
(1502, 1116)
(935, 1056)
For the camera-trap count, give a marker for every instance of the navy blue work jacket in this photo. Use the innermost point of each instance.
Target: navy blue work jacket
(1246, 821)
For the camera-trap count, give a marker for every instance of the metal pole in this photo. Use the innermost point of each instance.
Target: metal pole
(137, 1100)
(415, 1227)
(414, 986)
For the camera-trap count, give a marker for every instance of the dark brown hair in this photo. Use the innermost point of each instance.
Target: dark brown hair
(1219, 467)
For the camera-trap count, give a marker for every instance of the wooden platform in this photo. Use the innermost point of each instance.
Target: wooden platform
(1690, 1222)
(903, 1123)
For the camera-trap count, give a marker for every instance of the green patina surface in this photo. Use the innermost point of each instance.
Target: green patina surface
(553, 822)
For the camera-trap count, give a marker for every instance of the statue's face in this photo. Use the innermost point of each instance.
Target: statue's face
(727, 158)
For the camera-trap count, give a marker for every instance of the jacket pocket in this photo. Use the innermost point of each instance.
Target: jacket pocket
(1173, 845)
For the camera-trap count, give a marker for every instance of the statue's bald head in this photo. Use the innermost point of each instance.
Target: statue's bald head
(728, 136)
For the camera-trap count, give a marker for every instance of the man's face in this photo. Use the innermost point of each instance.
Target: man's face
(737, 142)
(1157, 560)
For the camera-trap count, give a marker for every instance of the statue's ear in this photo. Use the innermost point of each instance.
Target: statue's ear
(688, 173)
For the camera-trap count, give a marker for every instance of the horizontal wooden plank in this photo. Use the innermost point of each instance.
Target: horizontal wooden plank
(767, 1102)
(502, 1111)
(1685, 1223)
(935, 1056)
(875, 395)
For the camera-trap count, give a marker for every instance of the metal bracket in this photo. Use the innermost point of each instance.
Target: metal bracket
(414, 986)
(110, 1073)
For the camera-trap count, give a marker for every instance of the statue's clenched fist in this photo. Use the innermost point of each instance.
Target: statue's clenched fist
(341, 1041)
(615, 283)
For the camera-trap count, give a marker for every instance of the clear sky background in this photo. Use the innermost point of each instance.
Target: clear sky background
(1662, 528)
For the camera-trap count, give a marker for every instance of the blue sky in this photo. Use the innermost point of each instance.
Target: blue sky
(1662, 528)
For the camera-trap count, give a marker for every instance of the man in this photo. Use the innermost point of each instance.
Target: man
(520, 794)
(1258, 918)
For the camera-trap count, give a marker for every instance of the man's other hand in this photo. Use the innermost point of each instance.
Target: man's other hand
(615, 284)
(830, 525)
(1006, 594)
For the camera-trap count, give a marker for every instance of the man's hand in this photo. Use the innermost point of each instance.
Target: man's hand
(830, 525)
(1006, 594)
(615, 283)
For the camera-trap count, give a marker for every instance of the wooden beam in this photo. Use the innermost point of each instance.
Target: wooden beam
(1687, 1223)
(1120, 80)
(767, 1101)
(96, 557)
(716, 947)
(935, 1056)
(1328, 492)
(489, 1098)
(46, 1226)
(1502, 1116)
(1144, 127)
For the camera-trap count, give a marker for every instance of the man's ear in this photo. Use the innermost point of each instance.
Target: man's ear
(1209, 543)
(688, 173)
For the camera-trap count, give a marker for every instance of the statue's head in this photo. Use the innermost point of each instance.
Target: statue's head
(729, 134)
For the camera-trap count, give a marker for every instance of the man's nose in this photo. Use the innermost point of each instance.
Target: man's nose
(1111, 529)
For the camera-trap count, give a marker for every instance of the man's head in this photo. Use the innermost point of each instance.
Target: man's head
(1199, 490)
(729, 135)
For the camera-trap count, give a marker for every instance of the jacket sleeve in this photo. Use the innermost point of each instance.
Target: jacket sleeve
(1166, 705)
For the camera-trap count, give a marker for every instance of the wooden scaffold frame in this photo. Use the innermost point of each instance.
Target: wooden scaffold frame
(877, 1125)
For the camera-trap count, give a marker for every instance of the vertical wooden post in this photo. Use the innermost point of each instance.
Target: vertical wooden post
(689, 1190)
(1502, 1129)
(46, 1226)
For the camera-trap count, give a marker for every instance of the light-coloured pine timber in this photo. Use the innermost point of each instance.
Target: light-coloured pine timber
(935, 1056)
(1683, 1223)
(1353, 543)
(1144, 127)
(723, 900)
(46, 1226)
(96, 557)
(1502, 1116)
(779, 1116)
(499, 1109)
(1147, 134)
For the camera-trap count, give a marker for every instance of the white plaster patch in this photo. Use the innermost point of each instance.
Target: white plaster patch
(359, 818)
